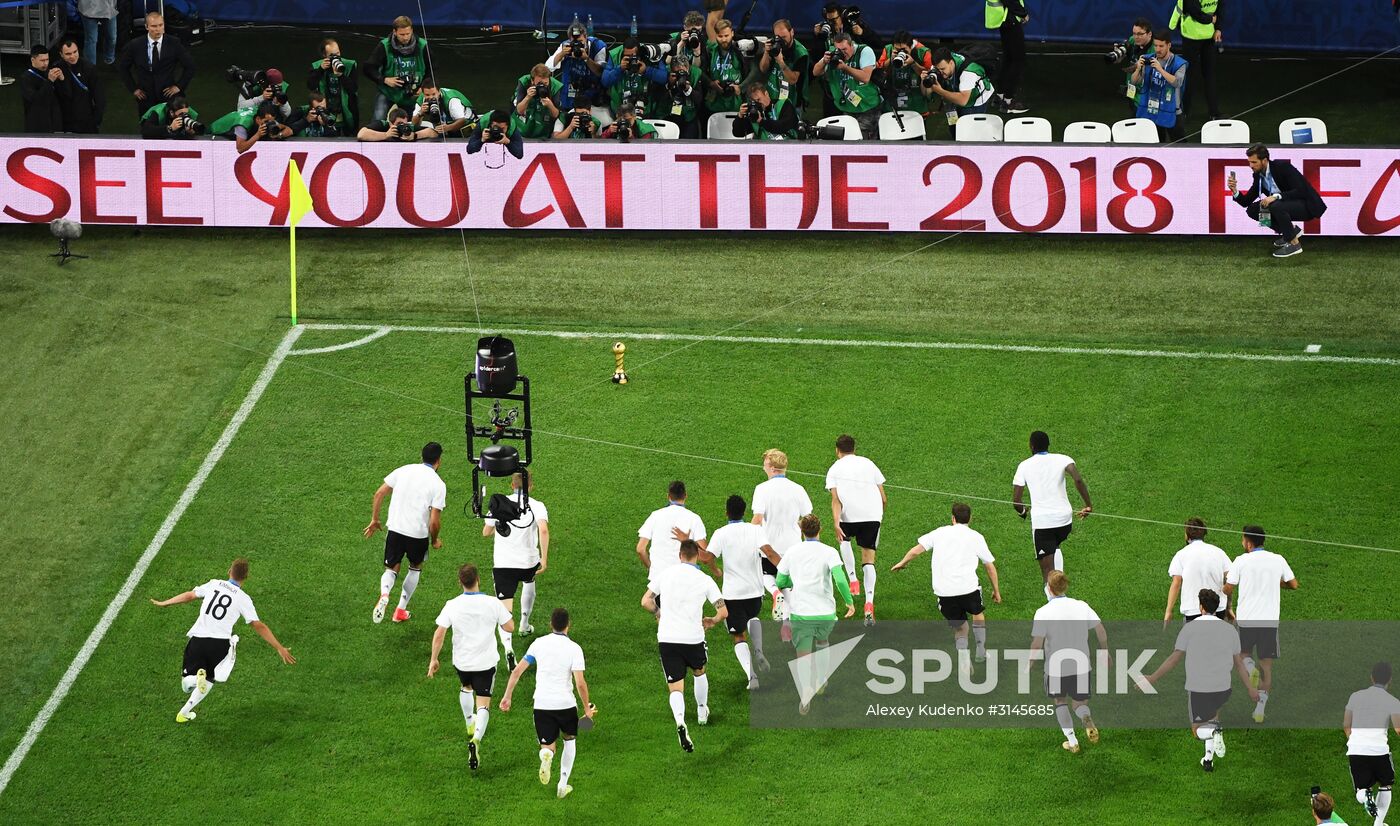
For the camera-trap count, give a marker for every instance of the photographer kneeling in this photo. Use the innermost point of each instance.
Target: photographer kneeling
(175, 119)
(629, 124)
(315, 120)
(248, 126)
(537, 102)
(962, 84)
(258, 87)
(445, 110)
(396, 127)
(764, 118)
(848, 68)
(500, 129)
(579, 123)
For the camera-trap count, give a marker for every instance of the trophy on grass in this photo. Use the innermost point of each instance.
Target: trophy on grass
(619, 352)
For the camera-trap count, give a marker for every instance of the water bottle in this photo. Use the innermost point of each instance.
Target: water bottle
(590, 25)
(634, 25)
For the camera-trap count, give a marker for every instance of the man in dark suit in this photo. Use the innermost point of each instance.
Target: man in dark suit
(80, 93)
(1281, 195)
(37, 90)
(148, 64)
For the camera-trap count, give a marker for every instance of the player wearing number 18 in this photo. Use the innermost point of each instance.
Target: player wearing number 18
(209, 654)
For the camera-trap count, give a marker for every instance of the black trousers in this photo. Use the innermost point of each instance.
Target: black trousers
(1013, 57)
(1200, 74)
(690, 130)
(1282, 214)
(1172, 134)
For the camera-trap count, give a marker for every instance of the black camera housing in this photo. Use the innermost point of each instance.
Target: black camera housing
(336, 65)
(691, 39)
(404, 129)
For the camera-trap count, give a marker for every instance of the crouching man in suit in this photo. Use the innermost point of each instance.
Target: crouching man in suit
(1279, 196)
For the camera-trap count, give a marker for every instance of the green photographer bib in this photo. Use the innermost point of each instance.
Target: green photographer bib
(397, 65)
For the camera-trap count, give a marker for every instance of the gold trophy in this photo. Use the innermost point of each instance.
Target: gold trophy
(619, 351)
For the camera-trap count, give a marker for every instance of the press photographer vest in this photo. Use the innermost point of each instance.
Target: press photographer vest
(159, 112)
(537, 120)
(852, 97)
(726, 67)
(761, 134)
(224, 126)
(1160, 100)
(396, 65)
(258, 100)
(687, 112)
(775, 75)
(334, 90)
(446, 95)
(635, 82)
(962, 64)
(1190, 29)
(317, 131)
(904, 83)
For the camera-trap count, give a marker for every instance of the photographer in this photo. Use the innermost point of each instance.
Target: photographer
(630, 124)
(1163, 78)
(394, 127)
(80, 95)
(38, 87)
(172, 120)
(579, 61)
(335, 79)
(396, 65)
(785, 60)
(315, 120)
(962, 85)
(683, 86)
(579, 123)
(723, 71)
(836, 19)
(248, 126)
(1126, 55)
(537, 102)
(627, 75)
(903, 65)
(260, 87)
(848, 69)
(445, 110)
(689, 43)
(765, 118)
(501, 128)
(1278, 196)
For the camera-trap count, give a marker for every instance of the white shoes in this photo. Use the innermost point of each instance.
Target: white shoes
(546, 761)
(379, 607)
(702, 715)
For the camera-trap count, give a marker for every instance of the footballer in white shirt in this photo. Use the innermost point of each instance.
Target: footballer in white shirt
(954, 552)
(415, 519)
(559, 670)
(1196, 566)
(777, 505)
(677, 597)
(659, 538)
(1061, 629)
(746, 553)
(1210, 647)
(519, 554)
(1371, 714)
(1260, 577)
(812, 572)
(209, 654)
(473, 618)
(1052, 518)
(857, 507)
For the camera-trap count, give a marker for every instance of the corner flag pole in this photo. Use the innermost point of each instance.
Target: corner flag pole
(300, 205)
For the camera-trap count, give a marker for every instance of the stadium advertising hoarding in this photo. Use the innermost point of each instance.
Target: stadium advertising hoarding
(677, 186)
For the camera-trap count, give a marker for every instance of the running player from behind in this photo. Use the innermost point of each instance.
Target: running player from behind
(659, 538)
(744, 550)
(857, 507)
(813, 572)
(777, 505)
(517, 559)
(473, 618)
(1260, 576)
(1052, 518)
(954, 553)
(1061, 629)
(415, 519)
(558, 663)
(209, 654)
(1371, 713)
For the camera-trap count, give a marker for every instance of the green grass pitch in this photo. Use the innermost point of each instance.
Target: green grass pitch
(122, 371)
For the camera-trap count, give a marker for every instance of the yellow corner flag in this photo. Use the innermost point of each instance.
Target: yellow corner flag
(300, 205)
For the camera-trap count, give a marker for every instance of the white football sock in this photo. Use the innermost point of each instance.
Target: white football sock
(482, 718)
(1382, 805)
(741, 650)
(756, 635)
(1059, 561)
(702, 690)
(1210, 749)
(527, 603)
(869, 583)
(848, 558)
(979, 632)
(467, 699)
(187, 684)
(506, 638)
(1205, 732)
(196, 697)
(1066, 724)
(677, 700)
(1082, 712)
(1263, 698)
(960, 643)
(410, 584)
(566, 762)
(386, 582)
(1249, 664)
(1361, 796)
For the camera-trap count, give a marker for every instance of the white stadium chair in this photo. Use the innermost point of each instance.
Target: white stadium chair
(1302, 130)
(979, 128)
(665, 130)
(846, 122)
(1087, 131)
(720, 126)
(913, 128)
(1028, 130)
(604, 117)
(1225, 131)
(1135, 130)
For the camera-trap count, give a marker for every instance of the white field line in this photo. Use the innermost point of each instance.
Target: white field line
(36, 727)
(845, 342)
(379, 332)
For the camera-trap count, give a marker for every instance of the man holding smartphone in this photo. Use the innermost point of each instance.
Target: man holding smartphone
(1278, 196)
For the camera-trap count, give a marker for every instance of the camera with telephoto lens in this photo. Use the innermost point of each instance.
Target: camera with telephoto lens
(272, 129)
(691, 39)
(187, 123)
(900, 59)
(1115, 53)
(404, 129)
(930, 79)
(334, 62)
(825, 28)
(252, 77)
(432, 109)
(408, 81)
(851, 14)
